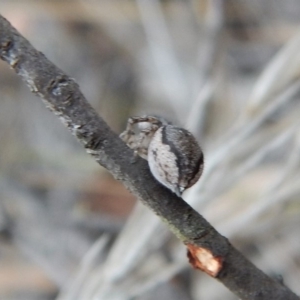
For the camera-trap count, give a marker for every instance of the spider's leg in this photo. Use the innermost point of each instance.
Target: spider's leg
(128, 132)
(144, 119)
(139, 141)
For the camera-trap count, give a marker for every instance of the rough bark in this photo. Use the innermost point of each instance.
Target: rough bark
(208, 250)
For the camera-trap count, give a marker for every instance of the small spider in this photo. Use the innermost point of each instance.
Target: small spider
(174, 156)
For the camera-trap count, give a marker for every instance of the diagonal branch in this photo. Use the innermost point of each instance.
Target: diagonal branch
(208, 250)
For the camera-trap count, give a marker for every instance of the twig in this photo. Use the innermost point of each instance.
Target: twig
(163, 55)
(282, 70)
(208, 249)
(87, 264)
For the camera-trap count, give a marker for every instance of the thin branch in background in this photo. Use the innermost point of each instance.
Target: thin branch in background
(197, 115)
(87, 264)
(119, 262)
(208, 47)
(163, 54)
(208, 51)
(281, 71)
(263, 205)
(291, 166)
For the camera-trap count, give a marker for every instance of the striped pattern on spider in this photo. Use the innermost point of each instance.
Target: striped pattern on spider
(174, 156)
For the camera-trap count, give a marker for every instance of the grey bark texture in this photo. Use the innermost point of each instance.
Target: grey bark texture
(62, 96)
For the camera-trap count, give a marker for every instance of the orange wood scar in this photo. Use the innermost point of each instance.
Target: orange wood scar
(203, 259)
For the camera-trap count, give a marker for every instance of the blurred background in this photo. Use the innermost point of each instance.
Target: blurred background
(226, 70)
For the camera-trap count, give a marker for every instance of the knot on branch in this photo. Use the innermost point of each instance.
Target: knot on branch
(57, 85)
(6, 53)
(92, 141)
(5, 47)
(62, 88)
